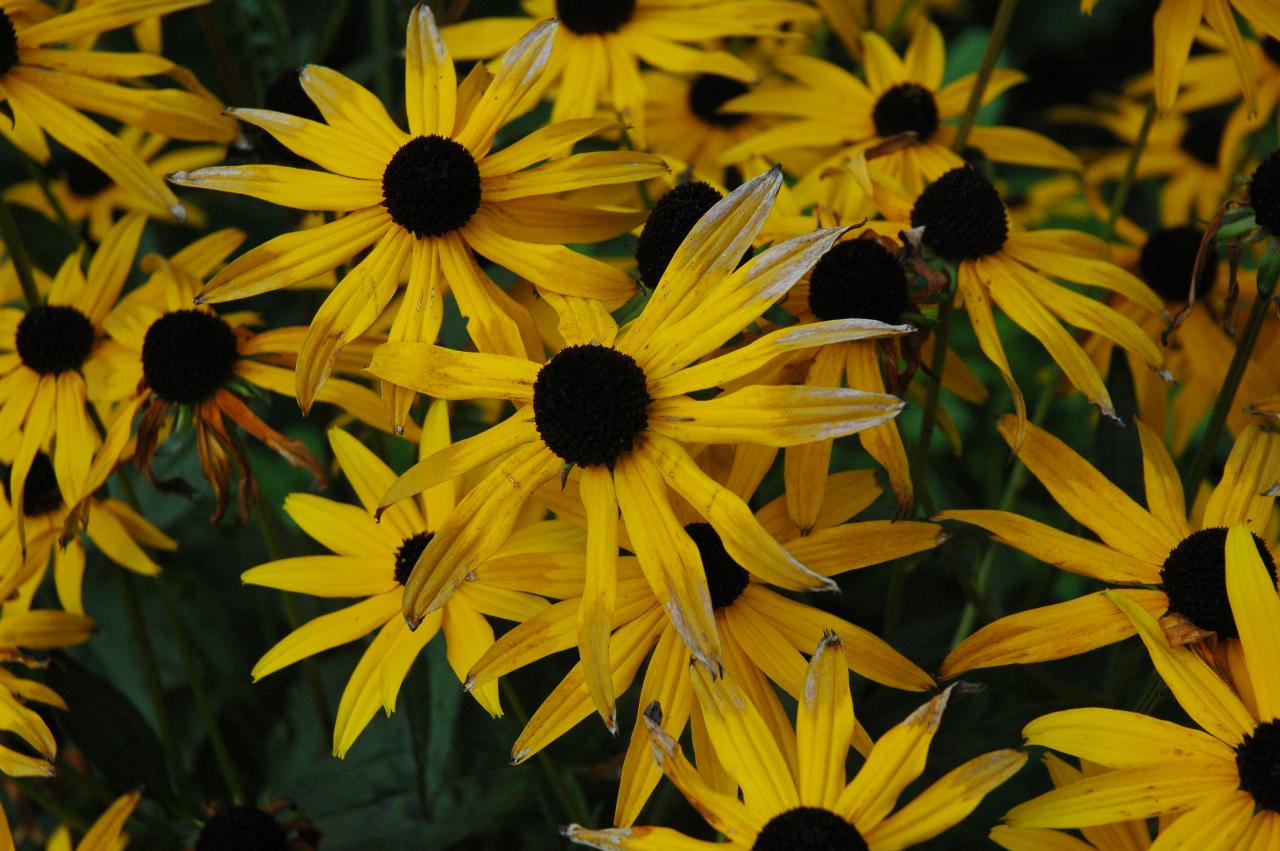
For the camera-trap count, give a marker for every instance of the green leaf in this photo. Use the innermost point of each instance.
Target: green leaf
(432, 697)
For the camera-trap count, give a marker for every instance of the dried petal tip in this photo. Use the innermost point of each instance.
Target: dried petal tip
(412, 622)
(653, 712)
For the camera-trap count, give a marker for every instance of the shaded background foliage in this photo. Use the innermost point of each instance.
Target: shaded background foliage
(436, 774)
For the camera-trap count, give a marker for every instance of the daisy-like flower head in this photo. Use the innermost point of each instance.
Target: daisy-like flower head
(167, 357)
(373, 560)
(601, 43)
(1160, 546)
(763, 633)
(961, 219)
(45, 88)
(615, 402)
(117, 531)
(804, 804)
(85, 193)
(47, 349)
(425, 200)
(832, 109)
(1175, 27)
(685, 119)
(1221, 778)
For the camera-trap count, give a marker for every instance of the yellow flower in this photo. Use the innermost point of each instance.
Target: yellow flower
(424, 200)
(1175, 26)
(116, 530)
(105, 834)
(1221, 778)
(45, 88)
(762, 633)
(616, 403)
(685, 122)
(961, 218)
(600, 44)
(86, 194)
(1159, 545)
(47, 349)
(839, 115)
(372, 560)
(785, 799)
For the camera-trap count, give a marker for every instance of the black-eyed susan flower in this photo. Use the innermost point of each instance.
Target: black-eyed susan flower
(1175, 26)
(105, 834)
(424, 200)
(166, 357)
(600, 44)
(1171, 562)
(615, 402)
(47, 350)
(684, 118)
(1219, 780)
(85, 193)
(46, 87)
(117, 530)
(763, 634)
(1131, 835)
(803, 803)
(963, 221)
(836, 113)
(372, 560)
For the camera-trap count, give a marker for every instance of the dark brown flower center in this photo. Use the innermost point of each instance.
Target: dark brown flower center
(411, 549)
(1204, 134)
(8, 44)
(962, 215)
(593, 17)
(187, 355)
(84, 179)
(1258, 762)
(431, 186)
(669, 223)
(1194, 576)
(242, 829)
(40, 492)
(809, 829)
(1264, 193)
(859, 279)
(906, 107)
(589, 404)
(709, 92)
(54, 338)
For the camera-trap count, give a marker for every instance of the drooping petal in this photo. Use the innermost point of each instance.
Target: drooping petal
(1256, 606)
(1119, 739)
(824, 726)
(430, 82)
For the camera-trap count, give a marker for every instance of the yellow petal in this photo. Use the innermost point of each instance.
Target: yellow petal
(327, 631)
(1036, 839)
(1174, 26)
(579, 171)
(300, 188)
(806, 466)
(850, 546)
(543, 143)
(1252, 593)
(1119, 739)
(1130, 793)
(599, 591)
(1165, 500)
(1198, 690)
(637, 839)
(349, 106)
(976, 303)
(1251, 468)
(325, 576)
(520, 69)
(1022, 147)
(1216, 824)
(946, 802)
(430, 83)
(451, 374)
(1049, 632)
(334, 149)
(824, 726)
(107, 832)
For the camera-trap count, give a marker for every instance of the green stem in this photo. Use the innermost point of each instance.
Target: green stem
(18, 252)
(1121, 197)
(929, 415)
(904, 9)
(271, 538)
(569, 805)
(151, 674)
(1012, 487)
(381, 50)
(999, 31)
(203, 707)
(1226, 396)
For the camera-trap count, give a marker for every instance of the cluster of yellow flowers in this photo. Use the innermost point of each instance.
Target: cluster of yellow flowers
(598, 466)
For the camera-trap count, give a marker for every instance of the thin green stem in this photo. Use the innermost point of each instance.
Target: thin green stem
(1226, 396)
(267, 522)
(1013, 486)
(151, 674)
(18, 253)
(203, 707)
(929, 415)
(381, 50)
(999, 32)
(1121, 196)
(904, 9)
(571, 809)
